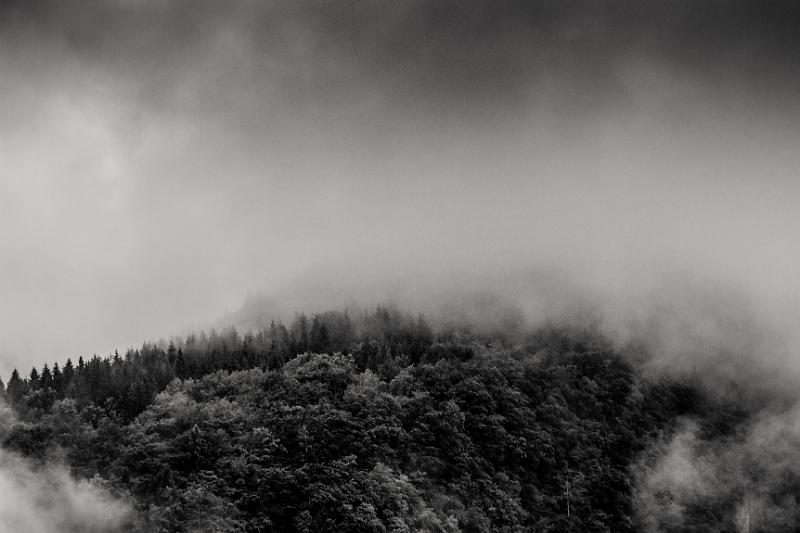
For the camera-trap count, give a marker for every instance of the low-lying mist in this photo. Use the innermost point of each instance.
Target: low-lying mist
(48, 500)
(749, 471)
(679, 324)
(726, 344)
(42, 496)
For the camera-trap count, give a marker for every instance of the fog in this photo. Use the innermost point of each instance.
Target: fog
(158, 163)
(42, 497)
(748, 469)
(45, 500)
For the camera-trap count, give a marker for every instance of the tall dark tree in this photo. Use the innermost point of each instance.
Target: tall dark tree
(46, 378)
(299, 334)
(16, 388)
(58, 379)
(181, 369)
(69, 372)
(33, 379)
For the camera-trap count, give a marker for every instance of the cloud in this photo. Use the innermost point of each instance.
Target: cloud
(42, 497)
(744, 481)
(48, 500)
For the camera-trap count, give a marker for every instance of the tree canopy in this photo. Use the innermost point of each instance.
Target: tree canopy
(375, 423)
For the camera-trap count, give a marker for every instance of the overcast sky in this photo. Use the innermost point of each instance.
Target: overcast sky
(161, 160)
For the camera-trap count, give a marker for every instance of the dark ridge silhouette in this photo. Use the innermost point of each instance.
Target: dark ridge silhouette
(379, 421)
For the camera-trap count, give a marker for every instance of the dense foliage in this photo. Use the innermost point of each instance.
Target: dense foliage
(367, 424)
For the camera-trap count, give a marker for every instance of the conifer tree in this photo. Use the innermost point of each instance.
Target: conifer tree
(46, 378)
(16, 387)
(58, 379)
(33, 380)
(69, 371)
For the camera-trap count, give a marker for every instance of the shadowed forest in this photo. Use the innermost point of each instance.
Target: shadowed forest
(380, 422)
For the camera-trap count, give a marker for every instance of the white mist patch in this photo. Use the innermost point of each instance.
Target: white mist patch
(750, 477)
(49, 500)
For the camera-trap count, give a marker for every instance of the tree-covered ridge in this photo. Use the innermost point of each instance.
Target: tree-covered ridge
(126, 383)
(374, 423)
(383, 340)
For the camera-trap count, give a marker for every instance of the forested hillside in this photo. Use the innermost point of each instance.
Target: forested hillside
(375, 422)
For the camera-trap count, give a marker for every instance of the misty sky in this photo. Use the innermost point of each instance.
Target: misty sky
(159, 161)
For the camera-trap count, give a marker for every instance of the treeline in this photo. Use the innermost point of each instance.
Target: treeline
(384, 340)
(373, 423)
(127, 383)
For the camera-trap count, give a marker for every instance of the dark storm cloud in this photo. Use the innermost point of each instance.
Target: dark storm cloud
(445, 57)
